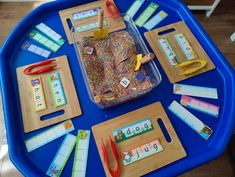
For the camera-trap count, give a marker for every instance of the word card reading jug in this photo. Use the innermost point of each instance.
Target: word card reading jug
(132, 130)
(141, 152)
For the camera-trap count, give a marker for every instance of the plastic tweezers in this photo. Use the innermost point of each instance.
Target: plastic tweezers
(116, 172)
(27, 70)
(112, 14)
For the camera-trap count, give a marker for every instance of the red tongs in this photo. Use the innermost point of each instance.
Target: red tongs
(116, 172)
(112, 13)
(27, 70)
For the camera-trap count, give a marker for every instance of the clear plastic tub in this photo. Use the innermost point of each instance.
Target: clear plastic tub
(108, 62)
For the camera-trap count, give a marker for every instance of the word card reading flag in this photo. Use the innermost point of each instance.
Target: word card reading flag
(49, 135)
(141, 152)
(35, 49)
(185, 46)
(190, 120)
(62, 156)
(50, 33)
(38, 94)
(205, 92)
(132, 130)
(146, 14)
(81, 153)
(135, 7)
(199, 105)
(57, 90)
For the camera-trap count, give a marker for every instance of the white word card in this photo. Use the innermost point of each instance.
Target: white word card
(50, 33)
(169, 52)
(49, 135)
(190, 120)
(205, 92)
(81, 153)
(134, 8)
(199, 105)
(155, 20)
(62, 156)
(85, 14)
(185, 46)
(35, 49)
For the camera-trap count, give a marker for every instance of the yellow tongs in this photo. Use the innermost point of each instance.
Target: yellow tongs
(192, 70)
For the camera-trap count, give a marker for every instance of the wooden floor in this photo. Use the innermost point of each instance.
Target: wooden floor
(219, 27)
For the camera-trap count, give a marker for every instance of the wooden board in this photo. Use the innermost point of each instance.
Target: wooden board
(31, 119)
(171, 72)
(67, 14)
(172, 151)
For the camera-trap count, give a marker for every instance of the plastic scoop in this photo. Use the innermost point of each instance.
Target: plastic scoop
(101, 33)
(140, 60)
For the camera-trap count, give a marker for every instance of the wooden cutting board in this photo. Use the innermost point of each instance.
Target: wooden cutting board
(172, 152)
(67, 15)
(31, 119)
(171, 72)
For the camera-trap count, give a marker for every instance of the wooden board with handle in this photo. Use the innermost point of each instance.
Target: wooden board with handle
(173, 73)
(172, 151)
(67, 15)
(31, 119)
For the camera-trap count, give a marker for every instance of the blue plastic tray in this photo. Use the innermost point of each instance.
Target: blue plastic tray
(198, 150)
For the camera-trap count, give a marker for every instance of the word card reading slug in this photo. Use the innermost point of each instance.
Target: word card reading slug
(135, 7)
(90, 26)
(190, 120)
(43, 40)
(35, 49)
(205, 92)
(62, 156)
(155, 20)
(85, 14)
(199, 105)
(141, 152)
(81, 153)
(132, 130)
(50, 33)
(185, 46)
(49, 135)
(38, 94)
(169, 52)
(57, 90)
(146, 14)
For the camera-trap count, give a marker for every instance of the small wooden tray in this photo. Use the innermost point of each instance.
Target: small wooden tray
(67, 14)
(171, 72)
(173, 150)
(31, 119)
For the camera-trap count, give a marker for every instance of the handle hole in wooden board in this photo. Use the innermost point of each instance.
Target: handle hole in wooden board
(52, 115)
(70, 25)
(164, 130)
(166, 31)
